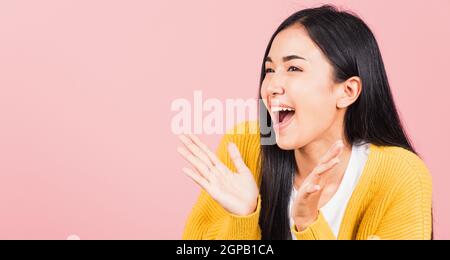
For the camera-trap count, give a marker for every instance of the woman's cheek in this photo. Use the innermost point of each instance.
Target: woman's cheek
(264, 95)
(306, 126)
(315, 115)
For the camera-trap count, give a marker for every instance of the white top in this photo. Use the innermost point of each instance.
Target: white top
(333, 211)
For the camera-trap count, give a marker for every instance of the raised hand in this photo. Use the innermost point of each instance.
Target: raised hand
(235, 192)
(306, 205)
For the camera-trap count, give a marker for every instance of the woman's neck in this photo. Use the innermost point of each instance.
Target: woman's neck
(308, 157)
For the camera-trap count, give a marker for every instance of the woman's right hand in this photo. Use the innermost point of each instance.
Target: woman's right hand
(235, 192)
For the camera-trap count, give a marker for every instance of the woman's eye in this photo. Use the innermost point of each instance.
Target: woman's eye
(269, 70)
(292, 68)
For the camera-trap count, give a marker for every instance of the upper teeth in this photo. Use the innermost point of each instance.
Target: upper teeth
(278, 109)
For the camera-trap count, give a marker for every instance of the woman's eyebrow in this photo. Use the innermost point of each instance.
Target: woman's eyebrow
(287, 58)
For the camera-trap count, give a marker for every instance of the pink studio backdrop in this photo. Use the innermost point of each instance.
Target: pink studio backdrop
(86, 147)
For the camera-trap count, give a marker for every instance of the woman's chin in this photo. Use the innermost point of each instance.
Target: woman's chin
(285, 143)
(287, 138)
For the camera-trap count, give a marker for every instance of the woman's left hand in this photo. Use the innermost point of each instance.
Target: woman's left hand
(305, 209)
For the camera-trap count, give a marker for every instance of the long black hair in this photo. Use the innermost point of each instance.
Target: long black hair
(352, 49)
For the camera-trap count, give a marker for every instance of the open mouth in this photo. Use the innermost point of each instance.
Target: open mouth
(282, 115)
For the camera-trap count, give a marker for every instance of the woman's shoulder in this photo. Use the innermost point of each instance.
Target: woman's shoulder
(400, 166)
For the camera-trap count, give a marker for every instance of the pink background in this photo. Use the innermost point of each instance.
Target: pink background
(86, 87)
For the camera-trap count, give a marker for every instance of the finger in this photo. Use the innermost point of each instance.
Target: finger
(212, 156)
(197, 178)
(313, 188)
(195, 150)
(324, 167)
(236, 157)
(312, 179)
(309, 189)
(335, 150)
(194, 161)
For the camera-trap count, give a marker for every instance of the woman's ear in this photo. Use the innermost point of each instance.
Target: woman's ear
(350, 91)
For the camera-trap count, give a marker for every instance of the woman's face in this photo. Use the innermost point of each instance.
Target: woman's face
(299, 79)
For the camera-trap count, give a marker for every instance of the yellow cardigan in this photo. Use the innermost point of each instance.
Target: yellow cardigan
(391, 201)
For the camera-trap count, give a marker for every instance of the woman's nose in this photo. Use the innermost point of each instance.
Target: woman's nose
(275, 89)
(276, 85)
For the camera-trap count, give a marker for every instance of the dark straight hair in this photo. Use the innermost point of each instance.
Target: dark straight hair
(352, 50)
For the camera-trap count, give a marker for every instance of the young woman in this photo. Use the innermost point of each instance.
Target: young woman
(342, 166)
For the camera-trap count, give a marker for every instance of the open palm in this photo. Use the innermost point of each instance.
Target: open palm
(236, 192)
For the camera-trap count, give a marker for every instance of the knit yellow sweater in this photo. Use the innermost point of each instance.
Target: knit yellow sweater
(391, 201)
